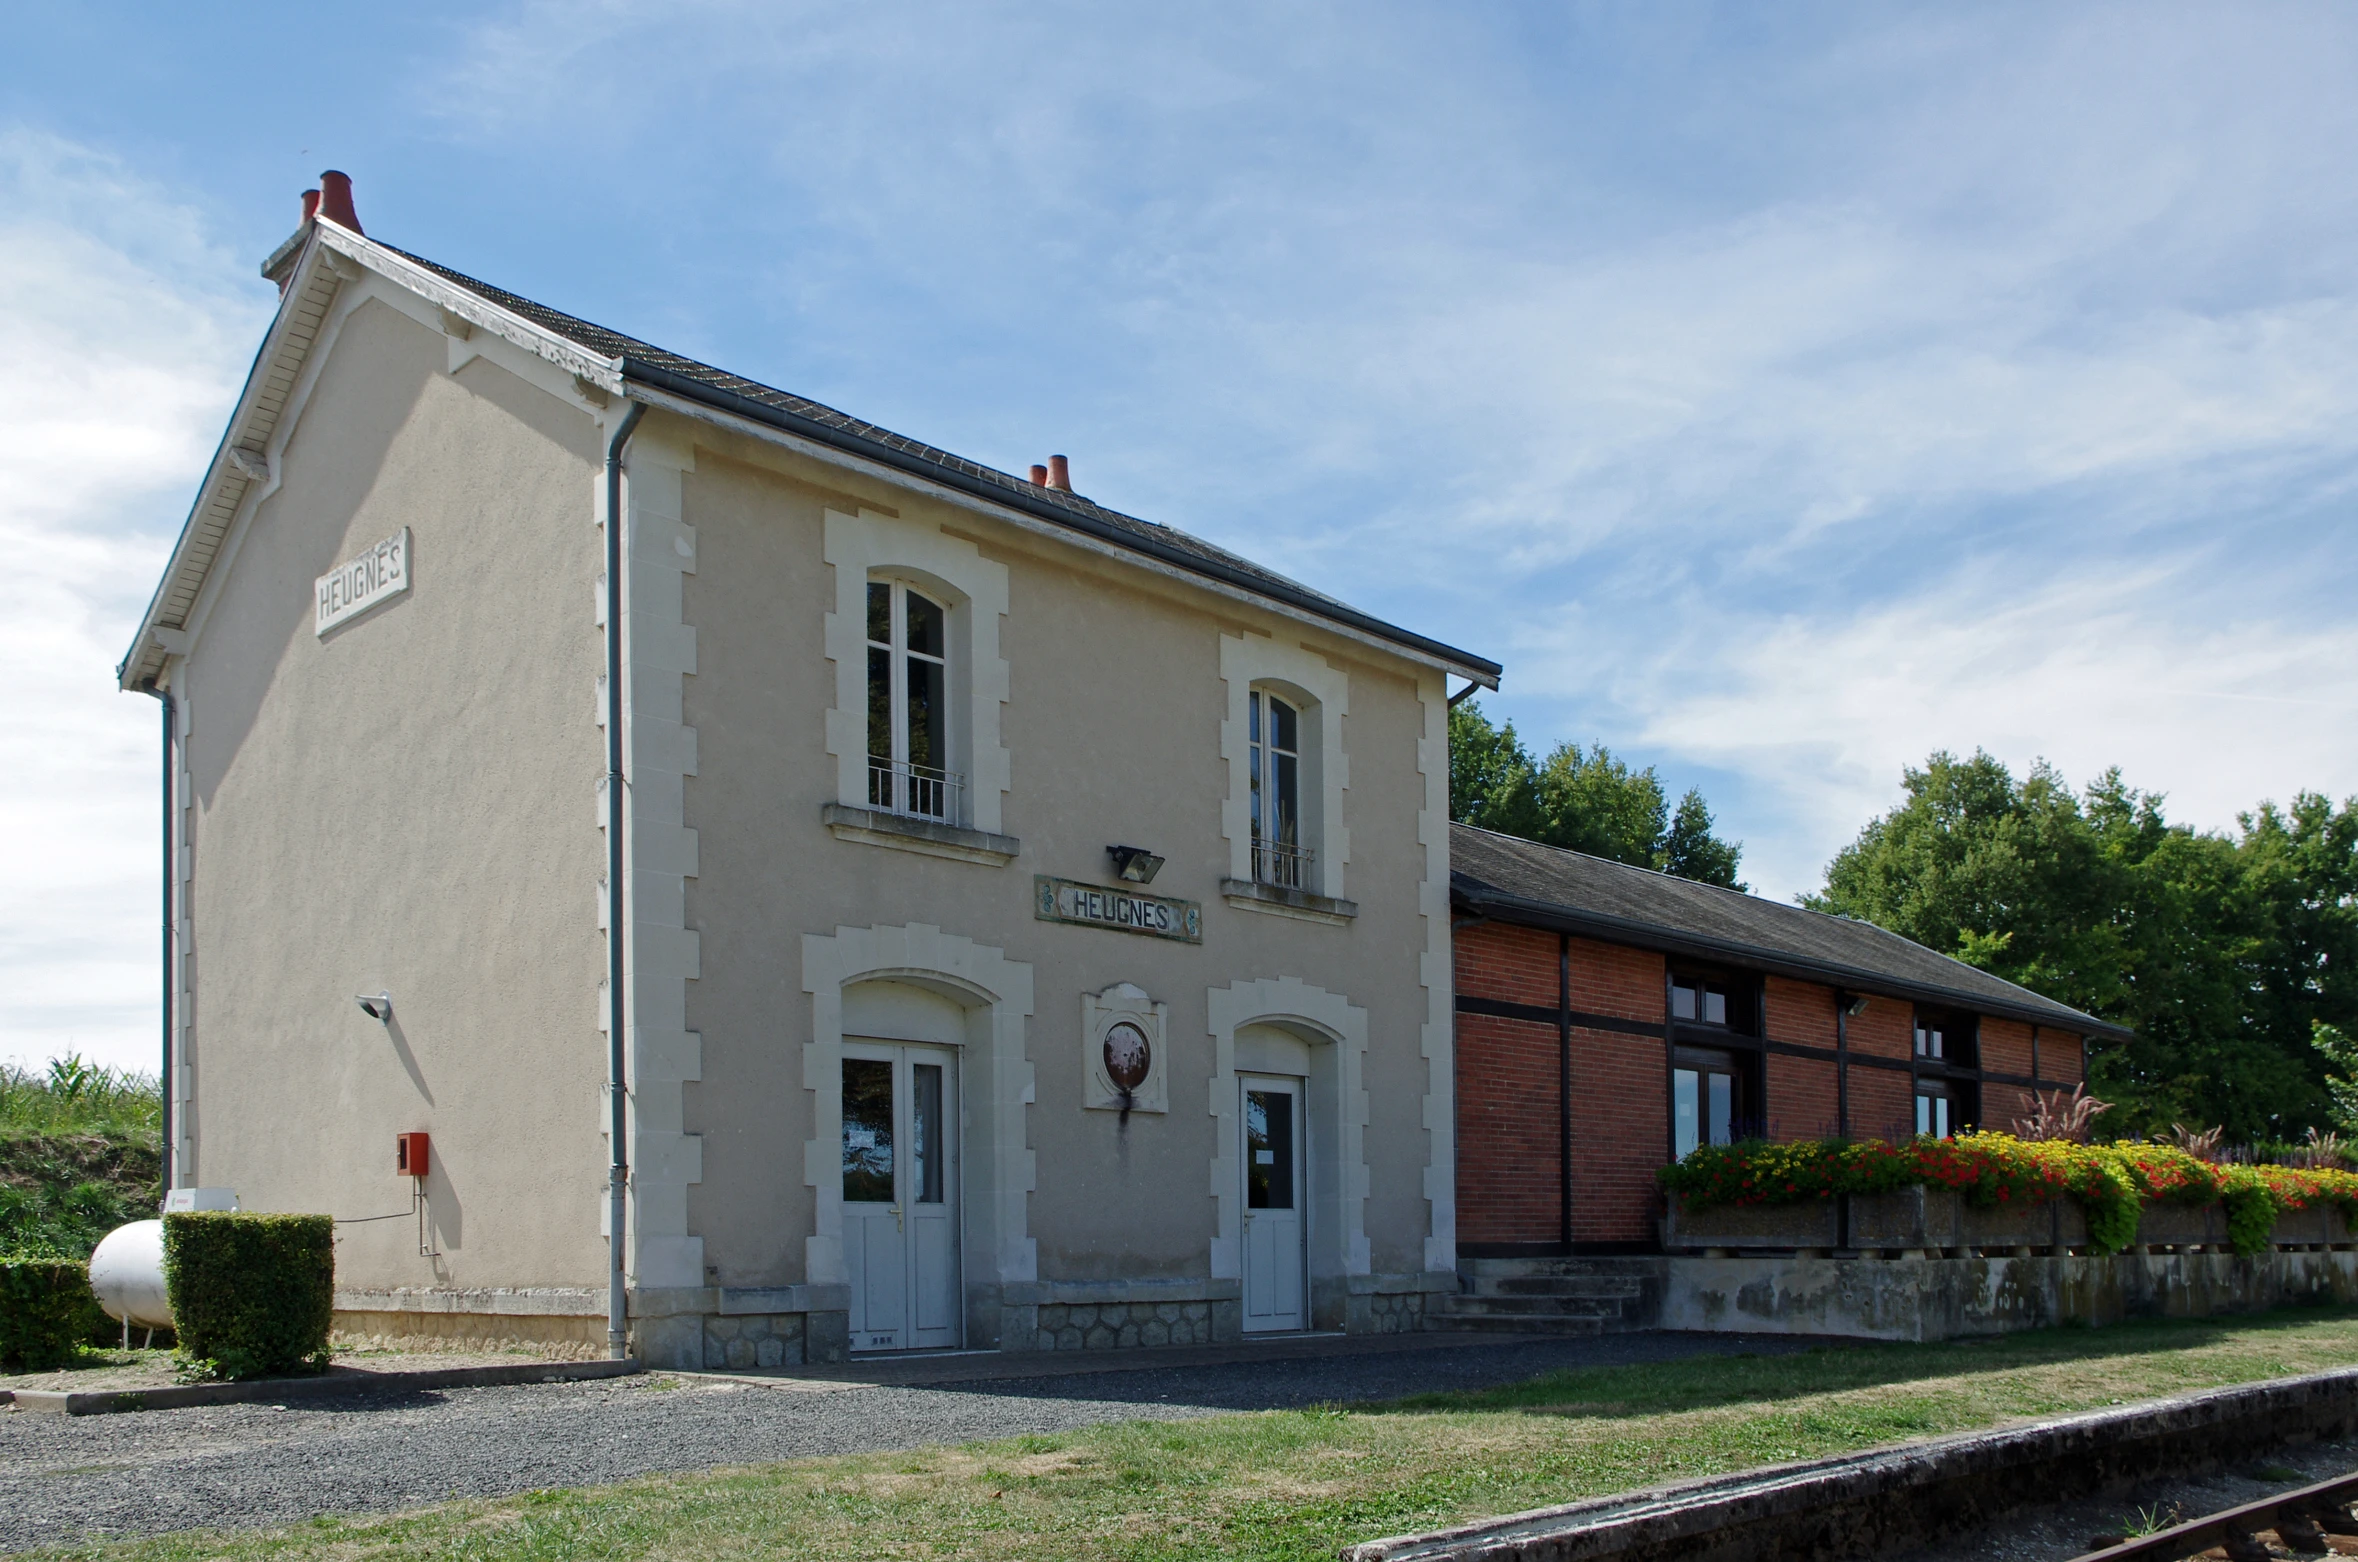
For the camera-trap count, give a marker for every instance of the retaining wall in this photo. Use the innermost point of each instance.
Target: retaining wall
(1943, 1298)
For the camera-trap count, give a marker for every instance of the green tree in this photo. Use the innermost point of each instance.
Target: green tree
(1586, 800)
(2341, 1051)
(2217, 951)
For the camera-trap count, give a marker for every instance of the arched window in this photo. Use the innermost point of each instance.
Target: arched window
(909, 705)
(1274, 726)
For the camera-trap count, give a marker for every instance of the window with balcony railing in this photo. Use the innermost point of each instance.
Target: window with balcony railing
(1275, 736)
(908, 706)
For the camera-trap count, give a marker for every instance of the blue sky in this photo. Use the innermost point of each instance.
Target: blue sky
(1780, 393)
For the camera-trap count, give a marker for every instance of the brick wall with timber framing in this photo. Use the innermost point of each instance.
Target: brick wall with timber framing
(1530, 1000)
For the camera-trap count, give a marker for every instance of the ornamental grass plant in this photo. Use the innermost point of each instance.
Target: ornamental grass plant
(2110, 1182)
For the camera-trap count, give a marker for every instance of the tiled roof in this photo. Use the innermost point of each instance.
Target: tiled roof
(1522, 881)
(654, 366)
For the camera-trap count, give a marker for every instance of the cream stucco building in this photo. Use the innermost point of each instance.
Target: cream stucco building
(910, 1059)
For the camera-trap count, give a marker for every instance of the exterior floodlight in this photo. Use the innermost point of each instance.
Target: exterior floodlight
(1855, 1005)
(1135, 864)
(379, 1008)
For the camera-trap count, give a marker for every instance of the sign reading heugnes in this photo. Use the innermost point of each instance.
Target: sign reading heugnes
(1125, 911)
(352, 588)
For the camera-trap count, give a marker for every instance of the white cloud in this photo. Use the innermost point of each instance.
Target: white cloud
(127, 333)
(2089, 672)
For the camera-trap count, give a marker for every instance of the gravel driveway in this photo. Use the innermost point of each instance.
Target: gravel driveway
(66, 1477)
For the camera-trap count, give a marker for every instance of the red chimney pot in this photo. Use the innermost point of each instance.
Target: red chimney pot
(310, 204)
(335, 200)
(1060, 473)
(1039, 475)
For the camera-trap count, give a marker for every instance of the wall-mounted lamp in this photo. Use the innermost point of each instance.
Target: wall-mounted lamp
(1854, 1004)
(1135, 864)
(379, 1008)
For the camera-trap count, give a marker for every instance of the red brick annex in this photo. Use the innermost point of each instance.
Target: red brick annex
(1610, 1019)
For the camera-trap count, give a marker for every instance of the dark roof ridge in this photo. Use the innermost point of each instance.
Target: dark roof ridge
(1638, 867)
(665, 370)
(1779, 931)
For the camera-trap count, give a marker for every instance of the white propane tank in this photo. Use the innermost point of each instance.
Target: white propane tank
(127, 1272)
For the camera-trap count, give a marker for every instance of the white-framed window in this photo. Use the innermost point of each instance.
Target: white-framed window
(919, 684)
(1282, 736)
(1281, 855)
(909, 768)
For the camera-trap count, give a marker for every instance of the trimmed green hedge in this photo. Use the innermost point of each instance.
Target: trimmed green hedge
(2111, 1182)
(252, 1295)
(46, 1312)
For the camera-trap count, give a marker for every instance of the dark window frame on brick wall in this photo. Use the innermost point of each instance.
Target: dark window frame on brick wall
(1696, 1043)
(1945, 1064)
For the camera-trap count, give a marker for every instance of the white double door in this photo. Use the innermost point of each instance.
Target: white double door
(900, 1194)
(1275, 1192)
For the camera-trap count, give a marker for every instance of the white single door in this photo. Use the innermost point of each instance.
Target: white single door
(900, 1195)
(1274, 1283)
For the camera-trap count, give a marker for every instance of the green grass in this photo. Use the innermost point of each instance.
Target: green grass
(78, 1156)
(72, 1098)
(1289, 1486)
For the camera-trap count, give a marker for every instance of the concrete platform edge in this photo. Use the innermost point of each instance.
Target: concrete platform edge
(181, 1396)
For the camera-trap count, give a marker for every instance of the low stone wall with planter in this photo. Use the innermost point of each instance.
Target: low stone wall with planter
(1939, 1222)
(1946, 1298)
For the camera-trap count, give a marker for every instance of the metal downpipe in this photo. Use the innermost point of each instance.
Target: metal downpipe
(617, 1030)
(164, 1078)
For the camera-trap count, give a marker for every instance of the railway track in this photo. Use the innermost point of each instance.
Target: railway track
(2311, 1521)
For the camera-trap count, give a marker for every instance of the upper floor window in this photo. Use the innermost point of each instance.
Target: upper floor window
(1274, 728)
(1946, 1038)
(909, 705)
(1692, 998)
(1727, 1000)
(1931, 1038)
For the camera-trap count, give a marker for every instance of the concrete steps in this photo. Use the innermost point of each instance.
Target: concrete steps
(1568, 1296)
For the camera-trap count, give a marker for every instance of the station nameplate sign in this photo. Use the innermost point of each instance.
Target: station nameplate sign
(357, 585)
(1123, 910)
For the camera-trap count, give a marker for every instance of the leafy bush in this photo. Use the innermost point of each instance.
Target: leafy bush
(2109, 1181)
(46, 1312)
(252, 1295)
(59, 1194)
(78, 1156)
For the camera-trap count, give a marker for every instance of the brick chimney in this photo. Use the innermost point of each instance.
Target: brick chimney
(335, 200)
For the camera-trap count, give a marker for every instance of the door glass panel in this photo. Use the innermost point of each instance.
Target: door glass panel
(867, 1131)
(925, 1131)
(1723, 1108)
(1685, 1109)
(1269, 1149)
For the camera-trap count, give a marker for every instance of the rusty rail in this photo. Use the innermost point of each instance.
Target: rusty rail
(2185, 1540)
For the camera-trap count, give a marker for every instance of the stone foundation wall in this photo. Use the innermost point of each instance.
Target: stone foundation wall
(757, 1340)
(556, 1339)
(1395, 1313)
(1122, 1325)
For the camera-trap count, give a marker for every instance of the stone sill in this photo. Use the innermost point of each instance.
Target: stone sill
(877, 828)
(1300, 904)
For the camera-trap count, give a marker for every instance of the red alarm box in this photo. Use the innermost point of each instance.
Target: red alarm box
(409, 1154)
